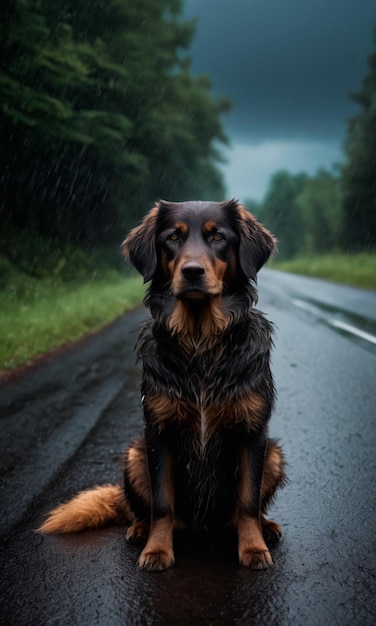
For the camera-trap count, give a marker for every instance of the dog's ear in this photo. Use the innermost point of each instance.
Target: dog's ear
(139, 246)
(256, 243)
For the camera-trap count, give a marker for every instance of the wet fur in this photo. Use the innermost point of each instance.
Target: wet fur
(205, 459)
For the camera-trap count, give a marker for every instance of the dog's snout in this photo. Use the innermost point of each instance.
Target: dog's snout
(192, 271)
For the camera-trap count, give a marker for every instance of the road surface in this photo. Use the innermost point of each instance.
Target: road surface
(63, 428)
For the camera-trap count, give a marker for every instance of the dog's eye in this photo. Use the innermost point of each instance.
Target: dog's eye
(173, 237)
(217, 237)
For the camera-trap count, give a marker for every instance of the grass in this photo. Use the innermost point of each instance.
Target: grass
(37, 315)
(358, 270)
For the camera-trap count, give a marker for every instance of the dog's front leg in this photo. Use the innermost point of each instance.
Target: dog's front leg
(158, 553)
(253, 551)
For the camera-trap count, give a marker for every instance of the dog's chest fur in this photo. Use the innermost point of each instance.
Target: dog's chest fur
(228, 386)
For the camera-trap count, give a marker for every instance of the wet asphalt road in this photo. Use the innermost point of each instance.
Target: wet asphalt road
(65, 423)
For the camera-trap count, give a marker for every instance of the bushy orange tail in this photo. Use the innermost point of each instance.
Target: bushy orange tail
(88, 509)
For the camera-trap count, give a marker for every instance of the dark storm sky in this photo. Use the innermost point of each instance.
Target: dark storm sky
(288, 66)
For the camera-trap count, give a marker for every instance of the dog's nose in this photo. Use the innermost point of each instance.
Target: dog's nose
(192, 271)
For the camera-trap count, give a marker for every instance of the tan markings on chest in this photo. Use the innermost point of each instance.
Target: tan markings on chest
(207, 418)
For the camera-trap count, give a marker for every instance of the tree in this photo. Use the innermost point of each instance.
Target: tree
(359, 171)
(280, 212)
(320, 208)
(100, 116)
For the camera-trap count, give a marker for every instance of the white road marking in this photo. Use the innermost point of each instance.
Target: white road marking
(308, 307)
(334, 322)
(352, 329)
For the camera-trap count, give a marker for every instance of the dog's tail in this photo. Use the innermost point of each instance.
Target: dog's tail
(88, 509)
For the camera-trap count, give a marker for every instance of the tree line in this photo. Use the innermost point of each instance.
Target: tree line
(100, 113)
(305, 212)
(333, 210)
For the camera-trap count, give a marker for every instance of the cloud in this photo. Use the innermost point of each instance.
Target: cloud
(288, 65)
(250, 166)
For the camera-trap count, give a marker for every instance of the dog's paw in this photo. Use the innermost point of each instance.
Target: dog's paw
(271, 530)
(256, 559)
(156, 560)
(138, 532)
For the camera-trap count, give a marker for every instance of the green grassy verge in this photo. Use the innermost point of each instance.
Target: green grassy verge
(358, 270)
(37, 315)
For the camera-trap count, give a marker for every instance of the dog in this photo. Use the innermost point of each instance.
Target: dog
(205, 459)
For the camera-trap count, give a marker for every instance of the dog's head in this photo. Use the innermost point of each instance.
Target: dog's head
(199, 249)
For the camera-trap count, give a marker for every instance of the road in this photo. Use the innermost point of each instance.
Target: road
(64, 425)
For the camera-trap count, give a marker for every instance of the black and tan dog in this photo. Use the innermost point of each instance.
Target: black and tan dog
(207, 390)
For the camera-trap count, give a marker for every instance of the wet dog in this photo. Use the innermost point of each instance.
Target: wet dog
(205, 459)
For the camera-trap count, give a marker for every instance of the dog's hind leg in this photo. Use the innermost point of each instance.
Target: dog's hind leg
(137, 490)
(273, 477)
